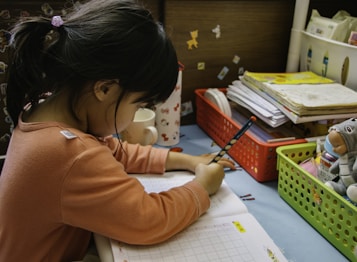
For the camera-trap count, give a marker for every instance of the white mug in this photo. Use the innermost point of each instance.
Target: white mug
(142, 130)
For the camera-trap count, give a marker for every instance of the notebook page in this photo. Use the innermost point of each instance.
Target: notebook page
(231, 238)
(223, 203)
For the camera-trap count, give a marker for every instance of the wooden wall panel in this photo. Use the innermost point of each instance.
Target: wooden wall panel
(257, 31)
(328, 8)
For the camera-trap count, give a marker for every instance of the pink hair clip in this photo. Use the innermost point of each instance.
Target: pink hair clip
(57, 21)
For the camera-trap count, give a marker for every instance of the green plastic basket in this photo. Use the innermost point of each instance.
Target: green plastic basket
(329, 213)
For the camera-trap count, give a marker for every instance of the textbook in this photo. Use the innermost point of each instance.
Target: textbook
(226, 232)
(288, 78)
(307, 101)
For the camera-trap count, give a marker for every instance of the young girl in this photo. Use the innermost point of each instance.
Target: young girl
(74, 81)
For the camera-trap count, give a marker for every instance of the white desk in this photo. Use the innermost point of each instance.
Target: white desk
(297, 239)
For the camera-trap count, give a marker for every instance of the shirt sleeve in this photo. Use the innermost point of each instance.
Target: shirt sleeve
(99, 196)
(137, 158)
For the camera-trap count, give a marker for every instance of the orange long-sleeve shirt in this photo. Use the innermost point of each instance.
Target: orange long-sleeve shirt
(55, 189)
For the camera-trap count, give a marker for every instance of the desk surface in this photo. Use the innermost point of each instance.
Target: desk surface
(296, 238)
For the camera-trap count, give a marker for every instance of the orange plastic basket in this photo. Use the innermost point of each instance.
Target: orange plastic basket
(258, 158)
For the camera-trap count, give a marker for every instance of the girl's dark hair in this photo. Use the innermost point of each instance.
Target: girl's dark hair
(101, 40)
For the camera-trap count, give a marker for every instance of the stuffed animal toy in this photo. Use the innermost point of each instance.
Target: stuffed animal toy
(343, 140)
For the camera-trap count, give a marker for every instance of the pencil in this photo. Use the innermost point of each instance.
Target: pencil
(234, 139)
(281, 139)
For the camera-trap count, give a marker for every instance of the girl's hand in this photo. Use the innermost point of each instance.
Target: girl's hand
(181, 161)
(209, 176)
(207, 158)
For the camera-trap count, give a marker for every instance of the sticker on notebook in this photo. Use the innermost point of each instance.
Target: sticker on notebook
(271, 255)
(67, 134)
(239, 226)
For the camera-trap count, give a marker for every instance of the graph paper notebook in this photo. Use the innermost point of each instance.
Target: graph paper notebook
(227, 232)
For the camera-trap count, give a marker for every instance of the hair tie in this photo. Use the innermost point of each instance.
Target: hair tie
(57, 21)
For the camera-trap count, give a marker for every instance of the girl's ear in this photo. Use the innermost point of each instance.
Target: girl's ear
(105, 88)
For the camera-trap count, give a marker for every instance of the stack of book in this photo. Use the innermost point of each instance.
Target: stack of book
(301, 96)
(263, 109)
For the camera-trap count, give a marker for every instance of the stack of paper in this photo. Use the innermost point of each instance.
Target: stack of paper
(263, 132)
(263, 109)
(304, 96)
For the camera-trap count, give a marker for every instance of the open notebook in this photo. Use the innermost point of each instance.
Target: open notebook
(226, 232)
